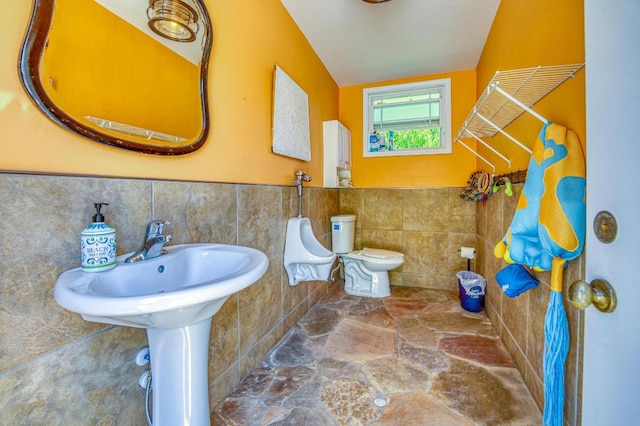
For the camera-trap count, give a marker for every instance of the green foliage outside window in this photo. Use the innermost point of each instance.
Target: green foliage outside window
(415, 139)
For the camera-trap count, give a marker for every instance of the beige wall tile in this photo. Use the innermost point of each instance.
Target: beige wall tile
(259, 216)
(42, 219)
(198, 212)
(88, 383)
(426, 281)
(425, 210)
(357, 241)
(323, 203)
(375, 238)
(317, 290)
(292, 296)
(294, 315)
(493, 316)
(224, 384)
(351, 202)
(534, 383)
(481, 254)
(331, 199)
(495, 296)
(253, 357)
(462, 214)
(513, 348)
(260, 306)
(481, 220)
(494, 266)
(382, 209)
(396, 276)
(515, 313)
(495, 228)
(425, 253)
(223, 338)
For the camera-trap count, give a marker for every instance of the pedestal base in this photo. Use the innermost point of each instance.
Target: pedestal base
(180, 374)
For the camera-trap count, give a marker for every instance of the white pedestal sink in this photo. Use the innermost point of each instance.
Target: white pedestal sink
(173, 297)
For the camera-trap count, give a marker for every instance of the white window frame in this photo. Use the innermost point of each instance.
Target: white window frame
(445, 116)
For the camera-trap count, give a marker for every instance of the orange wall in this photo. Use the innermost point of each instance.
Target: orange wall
(528, 34)
(443, 170)
(250, 37)
(145, 92)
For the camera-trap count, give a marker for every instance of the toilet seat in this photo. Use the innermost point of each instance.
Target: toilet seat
(375, 255)
(380, 253)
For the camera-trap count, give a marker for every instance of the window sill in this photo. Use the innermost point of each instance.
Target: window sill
(405, 152)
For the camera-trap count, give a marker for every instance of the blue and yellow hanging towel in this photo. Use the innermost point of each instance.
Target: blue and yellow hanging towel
(550, 215)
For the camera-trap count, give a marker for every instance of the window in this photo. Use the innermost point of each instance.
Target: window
(407, 119)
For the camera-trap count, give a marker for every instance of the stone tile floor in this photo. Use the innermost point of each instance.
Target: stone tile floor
(413, 358)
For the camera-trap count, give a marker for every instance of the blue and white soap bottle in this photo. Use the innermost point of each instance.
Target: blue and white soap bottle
(98, 244)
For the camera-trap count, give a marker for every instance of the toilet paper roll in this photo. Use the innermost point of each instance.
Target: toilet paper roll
(468, 252)
(344, 174)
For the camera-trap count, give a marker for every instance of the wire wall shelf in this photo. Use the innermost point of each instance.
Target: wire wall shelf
(507, 96)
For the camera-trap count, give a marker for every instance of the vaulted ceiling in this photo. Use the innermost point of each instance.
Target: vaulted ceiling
(361, 42)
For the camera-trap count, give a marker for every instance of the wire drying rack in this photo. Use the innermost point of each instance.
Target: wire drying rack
(508, 95)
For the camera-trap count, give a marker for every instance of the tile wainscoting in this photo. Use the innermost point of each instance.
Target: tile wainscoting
(56, 368)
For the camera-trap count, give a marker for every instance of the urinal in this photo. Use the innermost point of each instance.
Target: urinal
(305, 259)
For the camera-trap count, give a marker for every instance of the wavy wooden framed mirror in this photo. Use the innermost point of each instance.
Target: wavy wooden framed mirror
(127, 73)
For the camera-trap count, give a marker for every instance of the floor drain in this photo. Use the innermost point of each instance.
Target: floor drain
(380, 402)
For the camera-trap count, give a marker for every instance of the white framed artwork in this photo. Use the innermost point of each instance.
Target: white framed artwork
(291, 134)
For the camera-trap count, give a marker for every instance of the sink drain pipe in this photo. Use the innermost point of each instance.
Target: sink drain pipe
(147, 400)
(142, 358)
(145, 383)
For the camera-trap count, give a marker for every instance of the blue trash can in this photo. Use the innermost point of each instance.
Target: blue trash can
(472, 287)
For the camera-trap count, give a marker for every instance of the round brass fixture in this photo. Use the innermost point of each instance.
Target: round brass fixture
(600, 293)
(173, 19)
(605, 227)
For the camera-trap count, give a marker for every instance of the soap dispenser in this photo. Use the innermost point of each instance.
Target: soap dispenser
(98, 244)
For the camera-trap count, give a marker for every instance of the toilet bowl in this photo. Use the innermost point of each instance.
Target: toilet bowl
(305, 259)
(366, 271)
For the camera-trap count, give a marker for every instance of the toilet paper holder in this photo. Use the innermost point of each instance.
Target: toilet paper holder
(468, 253)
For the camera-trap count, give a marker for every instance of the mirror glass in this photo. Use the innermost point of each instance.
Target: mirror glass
(104, 69)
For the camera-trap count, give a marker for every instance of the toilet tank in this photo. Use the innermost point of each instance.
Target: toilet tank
(343, 229)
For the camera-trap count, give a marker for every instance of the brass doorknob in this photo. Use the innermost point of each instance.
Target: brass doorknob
(600, 293)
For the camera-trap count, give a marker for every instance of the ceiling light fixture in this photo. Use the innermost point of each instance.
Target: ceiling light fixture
(173, 19)
(375, 1)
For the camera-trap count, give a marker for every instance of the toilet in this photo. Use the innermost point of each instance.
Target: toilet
(366, 271)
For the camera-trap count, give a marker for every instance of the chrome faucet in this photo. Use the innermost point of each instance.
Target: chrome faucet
(154, 241)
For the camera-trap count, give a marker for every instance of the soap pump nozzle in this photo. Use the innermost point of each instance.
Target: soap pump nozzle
(98, 217)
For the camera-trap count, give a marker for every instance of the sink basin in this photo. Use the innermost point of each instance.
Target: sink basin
(185, 286)
(173, 297)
